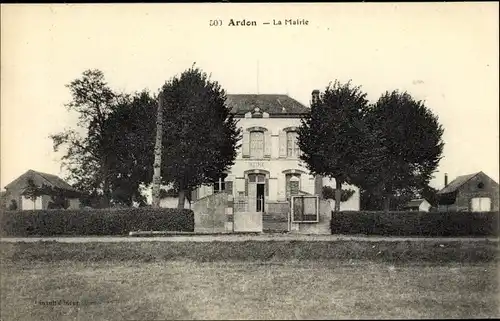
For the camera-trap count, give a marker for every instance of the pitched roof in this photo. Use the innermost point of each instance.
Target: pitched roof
(415, 202)
(41, 179)
(273, 104)
(456, 183)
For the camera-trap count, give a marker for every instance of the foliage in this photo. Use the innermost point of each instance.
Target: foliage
(32, 191)
(200, 135)
(59, 197)
(94, 222)
(329, 193)
(416, 223)
(130, 130)
(331, 136)
(86, 157)
(405, 146)
(13, 205)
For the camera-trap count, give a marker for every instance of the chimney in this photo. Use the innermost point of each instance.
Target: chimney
(445, 179)
(314, 96)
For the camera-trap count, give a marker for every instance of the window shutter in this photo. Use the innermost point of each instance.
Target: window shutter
(246, 144)
(267, 187)
(246, 186)
(229, 188)
(282, 144)
(267, 144)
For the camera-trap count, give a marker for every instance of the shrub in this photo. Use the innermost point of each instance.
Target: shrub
(416, 223)
(94, 222)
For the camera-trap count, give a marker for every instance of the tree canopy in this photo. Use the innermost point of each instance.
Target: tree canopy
(405, 145)
(331, 136)
(200, 135)
(87, 150)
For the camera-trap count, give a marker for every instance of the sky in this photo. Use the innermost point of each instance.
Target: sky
(443, 53)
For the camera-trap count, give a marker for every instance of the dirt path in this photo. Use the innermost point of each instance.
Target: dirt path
(239, 238)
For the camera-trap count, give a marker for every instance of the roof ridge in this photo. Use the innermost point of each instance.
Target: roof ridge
(42, 175)
(465, 178)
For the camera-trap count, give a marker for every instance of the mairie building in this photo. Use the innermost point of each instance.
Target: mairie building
(267, 169)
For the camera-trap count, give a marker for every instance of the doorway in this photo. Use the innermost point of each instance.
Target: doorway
(260, 197)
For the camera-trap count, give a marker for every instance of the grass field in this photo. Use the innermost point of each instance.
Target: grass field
(301, 280)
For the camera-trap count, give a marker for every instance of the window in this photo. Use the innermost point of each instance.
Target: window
(289, 186)
(481, 204)
(305, 209)
(221, 185)
(291, 144)
(256, 178)
(257, 144)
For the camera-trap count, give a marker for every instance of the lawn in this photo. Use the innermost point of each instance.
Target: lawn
(166, 281)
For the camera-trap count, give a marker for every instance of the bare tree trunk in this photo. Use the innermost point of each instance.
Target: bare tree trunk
(158, 148)
(182, 198)
(338, 195)
(106, 196)
(387, 202)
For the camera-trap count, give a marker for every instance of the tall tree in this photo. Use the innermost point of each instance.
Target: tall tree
(331, 136)
(407, 145)
(130, 131)
(200, 134)
(87, 155)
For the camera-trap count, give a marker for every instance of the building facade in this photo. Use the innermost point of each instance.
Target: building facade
(14, 191)
(475, 192)
(267, 169)
(418, 205)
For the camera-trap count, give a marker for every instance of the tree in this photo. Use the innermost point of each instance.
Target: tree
(331, 136)
(329, 193)
(87, 156)
(32, 191)
(13, 205)
(406, 145)
(130, 131)
(200, 136)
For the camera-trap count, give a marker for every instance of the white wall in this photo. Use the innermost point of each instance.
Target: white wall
(275, 165)
(424, 207)
(28, 204)
(172, 202)
(352, 204)
(74, 203)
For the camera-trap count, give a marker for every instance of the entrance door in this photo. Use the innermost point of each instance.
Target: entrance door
(260, 197)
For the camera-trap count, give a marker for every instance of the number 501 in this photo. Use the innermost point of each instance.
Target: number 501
(215, 23)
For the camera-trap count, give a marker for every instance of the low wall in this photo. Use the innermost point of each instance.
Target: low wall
(213, 214)
(247, 222)
(276, 217)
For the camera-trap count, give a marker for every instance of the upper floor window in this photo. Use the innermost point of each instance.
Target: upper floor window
(292, 144)
(257, 144)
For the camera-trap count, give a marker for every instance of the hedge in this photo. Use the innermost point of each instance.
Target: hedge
(94, 222)
(416, 223)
